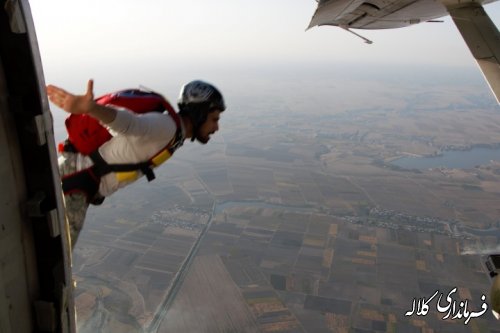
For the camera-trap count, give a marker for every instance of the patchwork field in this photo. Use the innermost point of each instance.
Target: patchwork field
(294, 219)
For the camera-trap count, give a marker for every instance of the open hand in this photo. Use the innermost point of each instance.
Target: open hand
(75, 104)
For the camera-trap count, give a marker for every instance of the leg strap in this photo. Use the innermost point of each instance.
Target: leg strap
(83, 181)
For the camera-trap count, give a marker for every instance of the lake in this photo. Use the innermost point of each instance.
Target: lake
(451, 159)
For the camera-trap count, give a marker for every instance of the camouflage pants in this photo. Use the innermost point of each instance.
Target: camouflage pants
(75, 203)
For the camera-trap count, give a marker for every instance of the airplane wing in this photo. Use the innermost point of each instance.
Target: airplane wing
(479, 32)
(36, 289)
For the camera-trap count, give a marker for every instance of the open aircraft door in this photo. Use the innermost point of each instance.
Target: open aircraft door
(36, 292)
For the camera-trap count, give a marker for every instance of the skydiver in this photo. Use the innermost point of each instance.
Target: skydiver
(136, 139)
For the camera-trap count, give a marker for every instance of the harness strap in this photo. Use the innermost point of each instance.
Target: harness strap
(82, 181)
(102, 167)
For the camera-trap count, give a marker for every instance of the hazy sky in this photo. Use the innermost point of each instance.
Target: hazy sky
(82, 33)
(123, 43)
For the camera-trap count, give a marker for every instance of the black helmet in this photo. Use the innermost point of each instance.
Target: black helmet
(197, 99)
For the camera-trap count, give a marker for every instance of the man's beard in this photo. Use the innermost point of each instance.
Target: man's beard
(203, 139)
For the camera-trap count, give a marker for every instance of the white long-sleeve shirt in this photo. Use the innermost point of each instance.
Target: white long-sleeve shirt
(136, 138)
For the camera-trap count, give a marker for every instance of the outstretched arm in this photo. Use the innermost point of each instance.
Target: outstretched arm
(81, 104)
